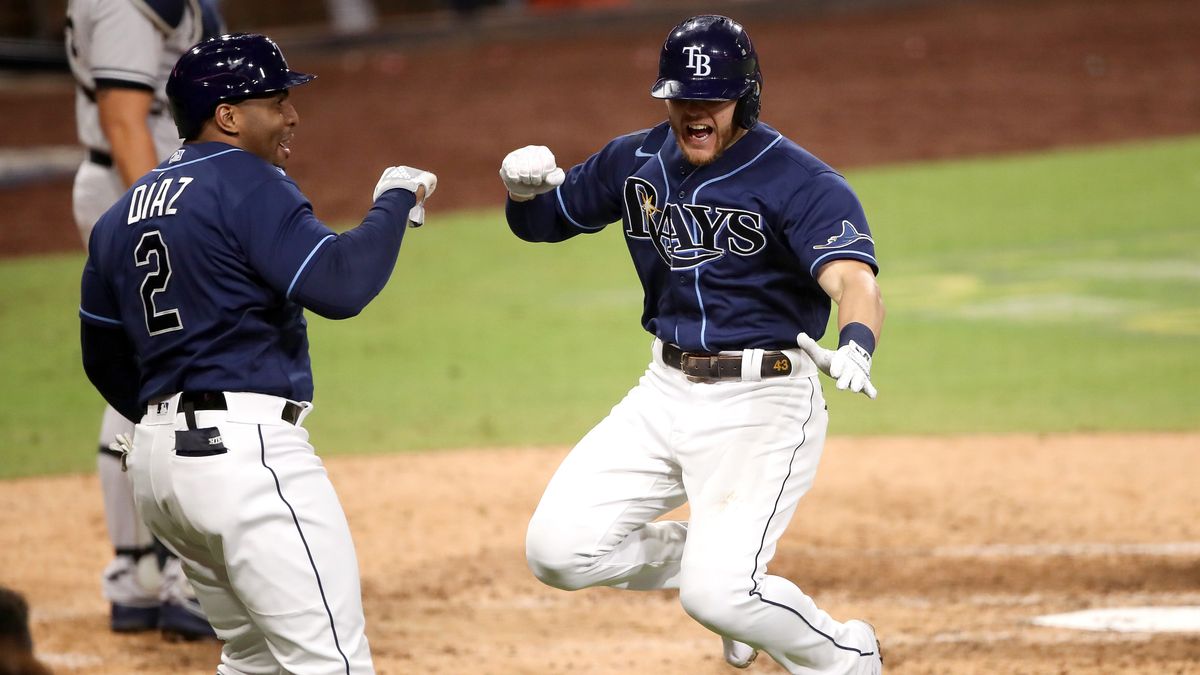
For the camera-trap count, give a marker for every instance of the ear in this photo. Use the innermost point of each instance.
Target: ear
(227, 117)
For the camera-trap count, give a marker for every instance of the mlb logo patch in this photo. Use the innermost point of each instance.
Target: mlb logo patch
(178, 155)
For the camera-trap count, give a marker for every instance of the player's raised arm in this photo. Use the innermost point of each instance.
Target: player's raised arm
(346, 271)
(547, 204)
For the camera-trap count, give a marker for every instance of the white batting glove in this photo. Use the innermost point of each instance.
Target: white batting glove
(529, 172)
(408, 178)
(850, 365)
(124, 445)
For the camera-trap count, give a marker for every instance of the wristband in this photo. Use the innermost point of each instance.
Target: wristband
(860, 334)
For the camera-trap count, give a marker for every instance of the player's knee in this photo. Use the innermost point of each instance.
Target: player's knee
(552, 556)
(714, 601)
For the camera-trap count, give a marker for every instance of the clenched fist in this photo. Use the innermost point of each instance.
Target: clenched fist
(529, 172)
(420, 183)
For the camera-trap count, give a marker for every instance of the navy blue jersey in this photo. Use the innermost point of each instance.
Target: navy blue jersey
(207, 261)
(727, 253)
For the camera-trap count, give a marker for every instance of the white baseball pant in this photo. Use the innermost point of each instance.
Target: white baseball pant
(743, 453)
(261, 533)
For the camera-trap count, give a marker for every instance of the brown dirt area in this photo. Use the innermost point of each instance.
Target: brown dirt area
(915, 534)
(919, 535)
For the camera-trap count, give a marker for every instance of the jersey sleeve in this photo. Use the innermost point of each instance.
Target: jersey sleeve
(97, 305)
(126, 47)
(588, 200)
(825, 222)
(278, 232)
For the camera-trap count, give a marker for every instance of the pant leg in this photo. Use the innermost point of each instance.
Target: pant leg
(592, 526)
(96, 188)
(753, 455)
(265, 544)
(125, 581)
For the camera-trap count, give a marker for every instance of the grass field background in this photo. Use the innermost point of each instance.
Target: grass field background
(1055, 292)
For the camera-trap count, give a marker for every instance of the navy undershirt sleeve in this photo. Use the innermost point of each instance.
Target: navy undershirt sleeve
(111, 365)
(537, 219)
(348, 270)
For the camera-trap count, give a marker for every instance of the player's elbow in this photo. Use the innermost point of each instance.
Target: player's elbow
(338, 312)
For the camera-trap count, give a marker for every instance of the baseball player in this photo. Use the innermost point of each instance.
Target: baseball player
(121, 52)
(740, 238)
(192, 321)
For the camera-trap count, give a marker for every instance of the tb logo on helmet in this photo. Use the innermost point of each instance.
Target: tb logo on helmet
(698, 61)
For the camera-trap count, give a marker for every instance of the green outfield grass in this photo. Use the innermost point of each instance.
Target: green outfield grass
(1057, 292)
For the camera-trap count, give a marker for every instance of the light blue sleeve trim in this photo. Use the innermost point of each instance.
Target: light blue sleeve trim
(843, 253)
(97, 317)
(563, 206)
(304, 264)
(201, 159)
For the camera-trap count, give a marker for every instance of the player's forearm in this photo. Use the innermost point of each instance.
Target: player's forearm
(862, 303)
(133, 152)
(111, 366)
(351, 269)
(123, 115)
(537, 220)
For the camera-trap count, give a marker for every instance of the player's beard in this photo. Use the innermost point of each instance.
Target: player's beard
(719, 140)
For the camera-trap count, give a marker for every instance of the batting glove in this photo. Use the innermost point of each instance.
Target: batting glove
(850, 365)
(123, 445)
(408, 178)
(529, 172)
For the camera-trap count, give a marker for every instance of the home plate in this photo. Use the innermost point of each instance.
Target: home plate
(1128, 620)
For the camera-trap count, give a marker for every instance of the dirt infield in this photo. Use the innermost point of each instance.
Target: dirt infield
(949, 545)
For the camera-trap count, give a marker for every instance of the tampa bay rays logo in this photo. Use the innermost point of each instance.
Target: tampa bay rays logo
(849, 235)
(698, 61)
(687, 236)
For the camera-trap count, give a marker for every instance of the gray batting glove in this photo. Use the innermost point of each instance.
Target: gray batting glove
(413, 180)
(850, 365)
(529, 172)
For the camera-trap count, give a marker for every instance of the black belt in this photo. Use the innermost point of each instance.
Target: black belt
(701, 367)
(191, 401)
(99, 157)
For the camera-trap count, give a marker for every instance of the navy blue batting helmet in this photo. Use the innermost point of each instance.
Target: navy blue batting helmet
(226, 68)
(710, 58)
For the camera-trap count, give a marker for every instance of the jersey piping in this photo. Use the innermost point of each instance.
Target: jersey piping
(198, 159)
(562, 205)
(695, 197)
(96, 317)
(305, 264)
(841, 254)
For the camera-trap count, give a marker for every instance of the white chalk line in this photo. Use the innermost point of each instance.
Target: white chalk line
(1078, 550)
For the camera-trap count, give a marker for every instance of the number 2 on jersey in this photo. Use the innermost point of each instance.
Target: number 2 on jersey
(152, 245)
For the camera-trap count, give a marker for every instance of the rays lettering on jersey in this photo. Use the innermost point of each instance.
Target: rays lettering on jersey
(687, 236)
(155, 199)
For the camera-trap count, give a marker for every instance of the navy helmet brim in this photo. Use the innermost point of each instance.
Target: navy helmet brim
(700, 90)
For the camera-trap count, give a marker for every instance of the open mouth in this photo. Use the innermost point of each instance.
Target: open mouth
(699, 132)
(287, 150)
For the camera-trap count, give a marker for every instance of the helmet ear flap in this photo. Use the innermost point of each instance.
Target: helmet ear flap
(745, 113)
